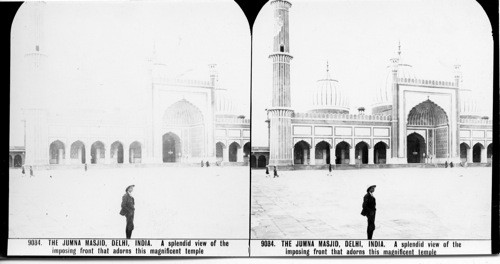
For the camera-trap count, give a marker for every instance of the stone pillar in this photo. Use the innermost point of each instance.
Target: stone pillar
(312, 154)
(131, 158)
(469, 155)
(67, 154)
(352, 156)
(79, 155)
(107, 155)
(388, 158)
(371, 154)
(60, 156)
(88, 154)
(126, 152)
(484, 153)
(240, 154)
(225, 154)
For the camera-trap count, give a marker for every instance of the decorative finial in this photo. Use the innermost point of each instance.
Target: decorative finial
(327, 67)
(399, 47)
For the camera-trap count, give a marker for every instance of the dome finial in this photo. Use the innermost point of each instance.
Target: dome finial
(327, 70)
(399, 47)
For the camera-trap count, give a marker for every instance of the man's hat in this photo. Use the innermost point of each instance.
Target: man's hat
(368, 190)
(126, 190)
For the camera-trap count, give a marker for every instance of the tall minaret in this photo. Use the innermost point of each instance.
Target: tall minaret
(280, 113)
(396, 152)
(35, 52)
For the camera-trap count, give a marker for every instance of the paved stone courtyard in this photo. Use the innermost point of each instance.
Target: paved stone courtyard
(412, 203)
(171, 202)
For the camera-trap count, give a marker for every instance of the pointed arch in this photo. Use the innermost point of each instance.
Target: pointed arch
(117, 152)
(234, 148)
(97, 152)
(77, 151)
(301, 152)
(57, 152)
(342, 153)
(322, 152)
(380, 153)
(135, 152)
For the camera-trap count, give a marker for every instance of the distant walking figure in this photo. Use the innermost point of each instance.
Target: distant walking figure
(202, 163)
(446, 164)
(267, 171)
(22, 170)
(85, 166)
(128, 210)
(208, 164)
(369, 210)
(330, 169)
(451, 164)
(275, 172)
(31, 171)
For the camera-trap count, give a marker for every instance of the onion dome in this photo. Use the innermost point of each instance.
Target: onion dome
(223, 103)
(328, 96)
(383, 100)
(469, 106)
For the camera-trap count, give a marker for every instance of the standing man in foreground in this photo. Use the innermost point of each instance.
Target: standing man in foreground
(128, 210)
(369, 210)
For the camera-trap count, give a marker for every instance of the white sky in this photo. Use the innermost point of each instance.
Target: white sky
(359, 37)
(98, 53)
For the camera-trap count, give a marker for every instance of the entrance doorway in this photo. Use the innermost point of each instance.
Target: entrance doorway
(171, 147)
(415, 148)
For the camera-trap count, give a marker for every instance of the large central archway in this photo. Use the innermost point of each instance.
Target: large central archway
(187, 122)
(430, 117)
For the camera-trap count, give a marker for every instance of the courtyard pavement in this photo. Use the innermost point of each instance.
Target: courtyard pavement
(171, 202)
(412, 203)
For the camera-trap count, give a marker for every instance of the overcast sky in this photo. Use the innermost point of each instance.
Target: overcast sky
(359, 37)
(97, 53)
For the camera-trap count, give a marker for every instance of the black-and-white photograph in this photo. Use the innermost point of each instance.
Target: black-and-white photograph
(130, 120)
(262, 128)
(371, 120)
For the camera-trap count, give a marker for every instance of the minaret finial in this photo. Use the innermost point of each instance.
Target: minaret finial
(399, 47)
(327, 67)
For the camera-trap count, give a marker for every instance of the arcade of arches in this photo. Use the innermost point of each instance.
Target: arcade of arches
(16, 160)
(98, 154)
(477, 154)
(361, 153)
(233, 153)
(260, 162)
(133, 154)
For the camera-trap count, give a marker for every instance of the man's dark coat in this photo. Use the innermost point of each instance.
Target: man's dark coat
(128, 209)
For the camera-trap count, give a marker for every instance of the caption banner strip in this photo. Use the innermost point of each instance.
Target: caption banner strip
(239, 248)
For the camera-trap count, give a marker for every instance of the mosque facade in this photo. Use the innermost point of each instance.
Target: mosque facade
(184, 121)
(413, 120)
